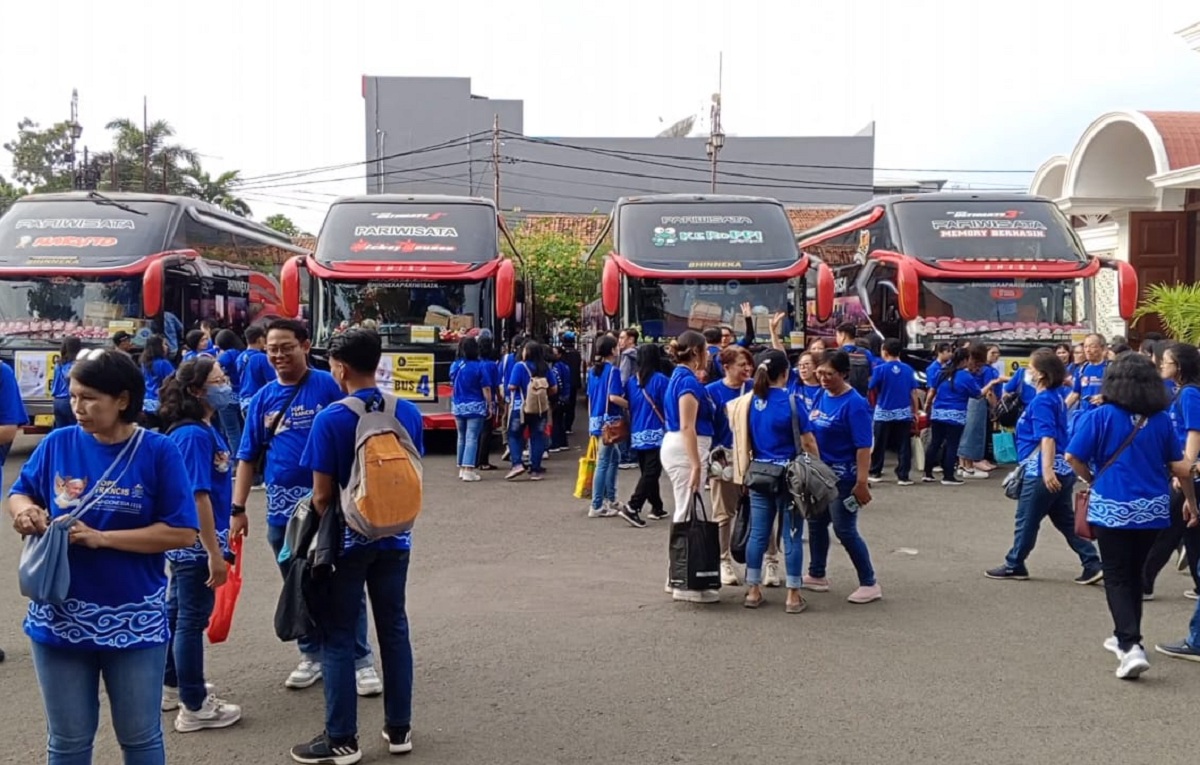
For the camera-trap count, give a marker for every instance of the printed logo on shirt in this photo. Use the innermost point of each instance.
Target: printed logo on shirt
(298, 418)
(68, 491)
(221, 462)
(760, 403)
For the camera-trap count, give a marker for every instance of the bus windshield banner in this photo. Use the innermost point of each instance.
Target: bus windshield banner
(710, 236)
(79, 232)
(462, 233)
(985, 230)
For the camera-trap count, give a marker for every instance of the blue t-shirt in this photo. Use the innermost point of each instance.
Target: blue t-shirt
(1021, 383)
(61, 387)
(562, 374)
(646, 425)
(1135, 491)
(229, 362)
(772, 438)
(254, 373)
(950, 402)
(207, 461)
(116, 599)
(1087, 384)
(521, 374)
(330, 450)
(895, 382)
(842, 426)
(685, 383)
(470, 380)
(155, 376)
(1044, 417)
(721, 395)
(600, 409)
(714, 355)
(287, 481)
(1185, 413)
(12, 408)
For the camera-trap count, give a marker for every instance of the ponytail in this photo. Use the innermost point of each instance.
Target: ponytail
(762, 381)
(605, 347)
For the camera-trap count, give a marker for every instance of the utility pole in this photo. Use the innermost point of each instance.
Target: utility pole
(166, 170)
(112, 172)
(716, 137)
(496, 159)
(145, 145)
(76, 131)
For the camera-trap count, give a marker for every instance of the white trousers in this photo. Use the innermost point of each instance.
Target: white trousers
(678, 467)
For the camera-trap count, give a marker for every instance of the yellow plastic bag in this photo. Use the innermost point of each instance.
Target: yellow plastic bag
(587, 471)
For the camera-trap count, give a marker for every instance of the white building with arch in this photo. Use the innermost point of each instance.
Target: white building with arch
(1131, 186)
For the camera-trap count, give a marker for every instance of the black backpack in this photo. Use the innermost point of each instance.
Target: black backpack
(860, 372)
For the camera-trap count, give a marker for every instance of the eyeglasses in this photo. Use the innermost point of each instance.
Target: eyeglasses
(282, 350)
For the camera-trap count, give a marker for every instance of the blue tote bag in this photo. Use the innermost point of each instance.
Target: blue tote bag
(45, 569)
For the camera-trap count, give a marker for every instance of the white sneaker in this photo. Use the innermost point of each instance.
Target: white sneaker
(609, 509)
(367, 682)
(696, 596)
(668, 588)
(729, 575)
(471, 476)
(974, 474)
(771, 577)
(213, 713)
(1133, 663)
(1111, 645)
(597, 512)
(462, 474)
(170, 697)
(304, 675)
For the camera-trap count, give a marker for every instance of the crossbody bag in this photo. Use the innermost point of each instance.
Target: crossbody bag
(767, 477)
(616, 431)
(273, 428)
(1083, 496)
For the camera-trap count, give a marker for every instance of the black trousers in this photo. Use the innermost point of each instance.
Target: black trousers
(1123, 555)
(1168, 542)
(943, 439)
(569, 414)
(484, 452)
(892, 436)
(647, 490)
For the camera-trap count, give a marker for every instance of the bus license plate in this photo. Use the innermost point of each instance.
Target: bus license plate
(43, 420)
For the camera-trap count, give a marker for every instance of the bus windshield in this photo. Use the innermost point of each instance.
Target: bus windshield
(933, 230)
(404, 312)
(708, 235)
(456, 232)
(48, 308)
(665, 308)
(72, 232)
(1001, 310)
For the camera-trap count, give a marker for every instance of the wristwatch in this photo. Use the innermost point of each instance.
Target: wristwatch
(238, 510)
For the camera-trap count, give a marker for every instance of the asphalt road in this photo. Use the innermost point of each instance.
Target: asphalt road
(544, 637)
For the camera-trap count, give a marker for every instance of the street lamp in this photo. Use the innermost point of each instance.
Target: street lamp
(712, 147)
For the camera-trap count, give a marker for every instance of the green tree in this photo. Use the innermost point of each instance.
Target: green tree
(8, 194)
(147, 160)
(563, 283)
(283, 224)
(199, 184)
(41, 157)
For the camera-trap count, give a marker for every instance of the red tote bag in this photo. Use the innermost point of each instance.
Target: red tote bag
(227, 597)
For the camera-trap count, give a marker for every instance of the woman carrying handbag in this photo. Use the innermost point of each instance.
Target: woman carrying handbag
(606, 397)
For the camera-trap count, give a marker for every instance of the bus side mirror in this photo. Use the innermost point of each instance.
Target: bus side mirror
(152, 288)
(610, 288)
(289, 286)
(908, 289)
(825, 289)
(506, 289)
(1127, 289)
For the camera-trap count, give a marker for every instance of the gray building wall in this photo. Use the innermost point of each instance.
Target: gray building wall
(407, 116)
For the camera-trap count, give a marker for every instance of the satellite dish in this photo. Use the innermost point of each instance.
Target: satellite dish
(680, 129)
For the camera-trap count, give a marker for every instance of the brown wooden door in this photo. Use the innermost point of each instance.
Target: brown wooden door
(1158, 253)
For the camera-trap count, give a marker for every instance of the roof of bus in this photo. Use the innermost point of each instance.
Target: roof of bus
(933, 196)
(696, 198)
(428, 199)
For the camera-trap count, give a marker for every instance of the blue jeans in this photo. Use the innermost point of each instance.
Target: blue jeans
(845, 526)
(1194, 627)
(469, 431)
(537, 439)
(230, 421)
(626, 453)
(385, 575)
(189, 606)
(64, 415)
(1036, 503)
(310, 648)
(604, 483)
(763, 509)
(70, 683)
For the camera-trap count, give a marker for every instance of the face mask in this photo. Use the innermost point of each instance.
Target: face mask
(219, 396)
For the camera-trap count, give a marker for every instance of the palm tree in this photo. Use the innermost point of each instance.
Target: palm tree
(199, 184)
(134, 149)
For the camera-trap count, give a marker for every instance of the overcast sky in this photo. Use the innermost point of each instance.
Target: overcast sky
(266, 86)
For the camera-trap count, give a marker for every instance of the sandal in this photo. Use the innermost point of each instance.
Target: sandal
(750, 602)
(796, 608)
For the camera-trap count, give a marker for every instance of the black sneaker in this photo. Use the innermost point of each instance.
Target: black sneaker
(657, 514)
(323, 750)
(399, 739)
(632, 517)
(1179, 650)
(1004, 572)
(1090, 576)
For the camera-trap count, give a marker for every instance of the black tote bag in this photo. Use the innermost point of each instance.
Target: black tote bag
(740, 537)
(695, 551)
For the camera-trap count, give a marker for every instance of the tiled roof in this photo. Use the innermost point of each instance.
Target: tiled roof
(1180, 133)
(804, 218)
(307, 242)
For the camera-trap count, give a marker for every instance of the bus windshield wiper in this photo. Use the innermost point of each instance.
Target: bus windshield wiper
(100, 199)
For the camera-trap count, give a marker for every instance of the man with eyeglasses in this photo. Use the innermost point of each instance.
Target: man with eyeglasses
(1085, 392)
(278, 421)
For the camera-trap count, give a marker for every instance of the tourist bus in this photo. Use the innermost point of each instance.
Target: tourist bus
(689, 261)
(423, 271)
(91, 265)
(1000, 268)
